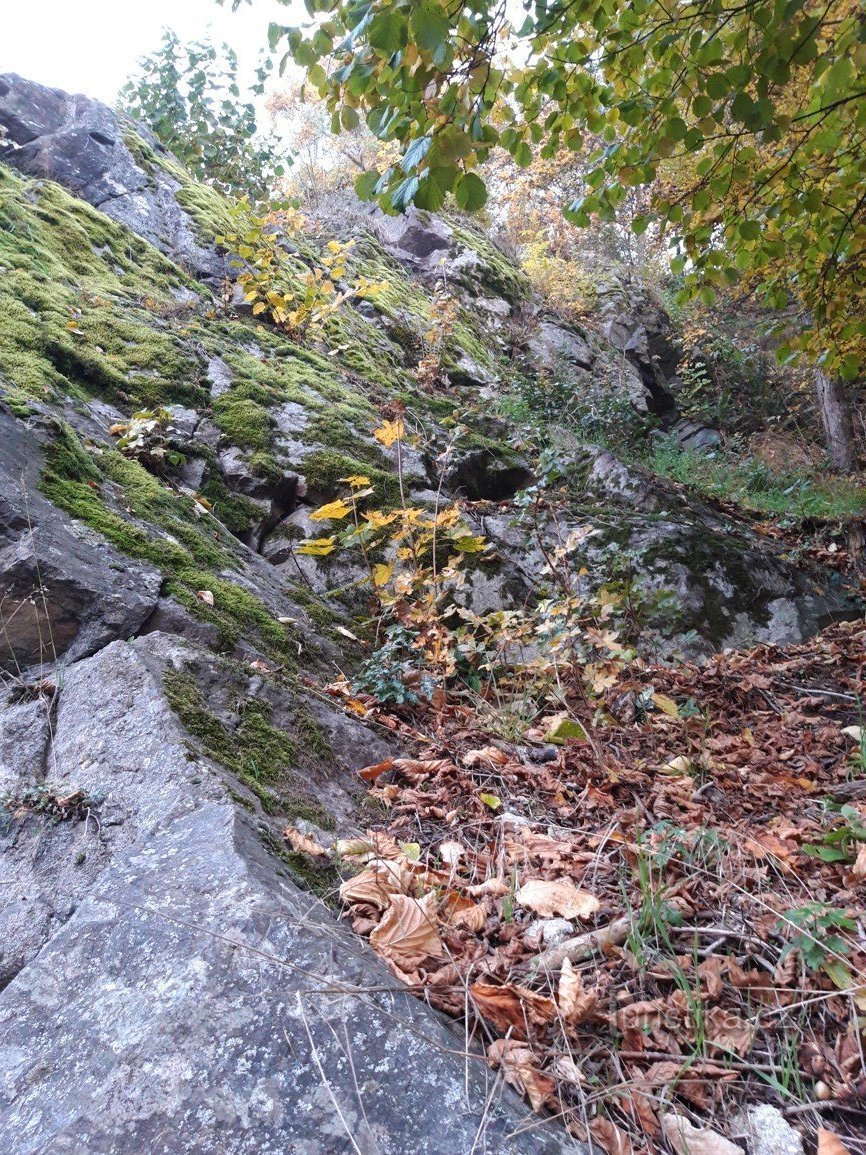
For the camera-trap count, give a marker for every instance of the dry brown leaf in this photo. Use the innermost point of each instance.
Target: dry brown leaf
(610, 1137)
(304, 844)
(727, 1032)
(686, 1139)
(512, 1006)
(694, 1082)
(451, 852)
(457, 910)
(519, 1070)
(858, 870)
(566, 1070)
(556, 898)
(375, 885)
(574, 1001)
(488, 756)
(407, 934)
(642, 1111)
(417, 768)
(492, 887)
(371, 773)
(830, 1144)
(710, 971)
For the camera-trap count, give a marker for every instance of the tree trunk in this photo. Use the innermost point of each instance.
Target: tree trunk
(836, 419)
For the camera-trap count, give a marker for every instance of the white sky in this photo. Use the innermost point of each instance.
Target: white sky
(92, 46)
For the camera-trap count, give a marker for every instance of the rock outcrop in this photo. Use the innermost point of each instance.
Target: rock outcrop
(171, 980)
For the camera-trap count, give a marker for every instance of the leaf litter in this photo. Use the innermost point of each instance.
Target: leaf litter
(708, 855)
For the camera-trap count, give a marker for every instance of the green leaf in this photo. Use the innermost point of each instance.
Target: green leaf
(470, 192)
(491, 800)
(523, 154)
(565, 728)
(387, 32)
(429, 26)
(365, 185)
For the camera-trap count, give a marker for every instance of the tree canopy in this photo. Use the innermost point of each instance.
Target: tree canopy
(746, 118)
(190, 95)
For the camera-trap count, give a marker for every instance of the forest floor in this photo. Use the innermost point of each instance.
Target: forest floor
(651, 925)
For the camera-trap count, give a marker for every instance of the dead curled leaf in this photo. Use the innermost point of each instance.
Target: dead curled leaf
(371, 773)
(457, 910)
(512, 1007)
(727, 1032)
(574, 1001)
(830, 1144)
(376, 884)
(612, 1138)
(687, 1139)
(549, 899)
(519, 1069)
(488, 757)
(408, 935)
(304, 844)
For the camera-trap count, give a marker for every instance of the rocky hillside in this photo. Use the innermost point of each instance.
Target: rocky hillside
(170, 981)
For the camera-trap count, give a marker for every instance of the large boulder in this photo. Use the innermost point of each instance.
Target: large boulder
(81, 144)
(174, 990)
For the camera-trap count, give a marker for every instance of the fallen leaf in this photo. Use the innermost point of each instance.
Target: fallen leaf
(491, 800)
(566, 1070)
(371, 773)
(561, 728)
(418, 768)
(408, 934)
(375, 885)
(492, 887)
(677, 766)
(557, 898)
(489, 756)
(457, 910)
(686, 1139)
(304, 844)
(727, 1032)
(666, 705)
(574, 1001)
(610, 1137)
(858, 870)
(451, 852)
(512, 1007)
(830, 1144)
(519, 1070)
(855, 732)
(205, 596)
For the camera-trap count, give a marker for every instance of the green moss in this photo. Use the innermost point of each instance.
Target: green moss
(245, 422)
(77, 297)
(238, 514)
(265, 758)
(237, 614)
(498, 275)
(189, 547)
(323, 469)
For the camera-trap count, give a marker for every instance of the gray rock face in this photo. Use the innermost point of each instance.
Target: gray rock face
(176, 992)
(635, 325)
(555, 349)
(79, 143)
(65, 590)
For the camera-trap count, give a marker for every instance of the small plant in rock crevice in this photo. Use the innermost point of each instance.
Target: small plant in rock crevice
(298, 296)
(144, 439)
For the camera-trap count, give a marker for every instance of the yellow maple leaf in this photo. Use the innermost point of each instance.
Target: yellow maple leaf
(389, 432)
(333, 511)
